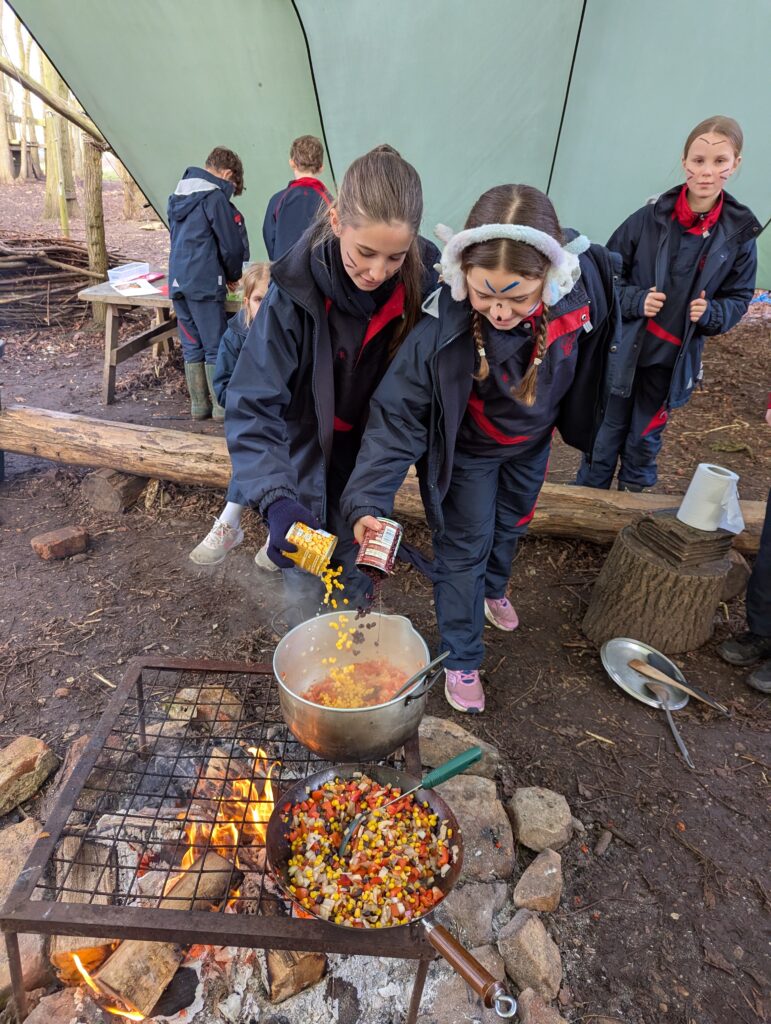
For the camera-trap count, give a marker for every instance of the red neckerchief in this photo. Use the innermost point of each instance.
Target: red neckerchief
(696, 223)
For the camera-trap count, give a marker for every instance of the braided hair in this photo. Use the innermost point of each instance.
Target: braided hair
(512, 204)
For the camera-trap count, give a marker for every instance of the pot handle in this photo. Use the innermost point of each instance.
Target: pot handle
(416, 694)
(491, 991)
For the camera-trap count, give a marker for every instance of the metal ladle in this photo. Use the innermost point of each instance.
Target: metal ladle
(419, 675)
(662, 694)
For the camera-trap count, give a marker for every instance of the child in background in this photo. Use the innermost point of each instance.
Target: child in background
(208, 249)
(689, 262)
(754, 644)
(226, 533)
(517, 341)
(291, 211)
(340, 303)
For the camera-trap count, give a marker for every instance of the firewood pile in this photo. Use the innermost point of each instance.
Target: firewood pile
(40, 279)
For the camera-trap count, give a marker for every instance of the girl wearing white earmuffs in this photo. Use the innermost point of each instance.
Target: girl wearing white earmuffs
(519, 339)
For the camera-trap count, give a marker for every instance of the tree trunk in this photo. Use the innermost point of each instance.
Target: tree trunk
(76, 145)
(188, 458)
(29, 126)
(6, 158)
(23, 134)
(94, 214)
(57, 155)
(133, 197)
(638, 594)
(65, 154)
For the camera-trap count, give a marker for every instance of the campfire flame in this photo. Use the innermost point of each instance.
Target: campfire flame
(127, 1014)
(242, 815)
(243, 812)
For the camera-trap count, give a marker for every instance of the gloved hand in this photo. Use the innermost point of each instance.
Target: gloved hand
(281, 515)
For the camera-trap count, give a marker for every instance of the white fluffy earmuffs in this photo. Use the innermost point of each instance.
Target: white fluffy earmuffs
(559, 280)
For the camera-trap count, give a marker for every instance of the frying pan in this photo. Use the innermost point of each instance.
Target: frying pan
(492, 992)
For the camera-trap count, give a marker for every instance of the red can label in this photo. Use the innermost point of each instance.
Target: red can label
(379, 547)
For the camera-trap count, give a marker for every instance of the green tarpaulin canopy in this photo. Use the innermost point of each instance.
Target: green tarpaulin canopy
(590, 101)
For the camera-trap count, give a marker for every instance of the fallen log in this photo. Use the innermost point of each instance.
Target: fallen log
(158, 452)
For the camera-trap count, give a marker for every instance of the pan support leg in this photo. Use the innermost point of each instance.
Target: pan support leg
(17, 976)
(412, 755)
(417, 990)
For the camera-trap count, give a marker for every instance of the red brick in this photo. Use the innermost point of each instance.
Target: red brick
(70, 540)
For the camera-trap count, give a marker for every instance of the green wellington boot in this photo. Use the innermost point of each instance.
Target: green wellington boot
(217, 410)
(195, 377)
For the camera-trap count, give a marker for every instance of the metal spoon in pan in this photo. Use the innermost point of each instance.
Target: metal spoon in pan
(662, 694)
(419, 675)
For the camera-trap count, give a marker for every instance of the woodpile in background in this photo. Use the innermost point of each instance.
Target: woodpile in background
(40, 279)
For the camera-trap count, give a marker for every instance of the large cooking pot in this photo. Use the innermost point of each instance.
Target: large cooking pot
(350, 734)
(492, 992)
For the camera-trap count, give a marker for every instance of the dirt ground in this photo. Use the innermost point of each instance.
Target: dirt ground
(665, 926)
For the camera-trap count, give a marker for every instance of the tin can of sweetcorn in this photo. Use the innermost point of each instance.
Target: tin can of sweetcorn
(314, 547)
(379, 547)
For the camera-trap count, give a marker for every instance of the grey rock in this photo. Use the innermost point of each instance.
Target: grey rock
(472, 907)
(540, 886)
(531, 955)
(16, 843)
(487, 838)
(441, 739)
(541, 818)
(533, 1010)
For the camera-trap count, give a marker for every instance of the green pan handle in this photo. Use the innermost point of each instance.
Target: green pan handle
(450, 769)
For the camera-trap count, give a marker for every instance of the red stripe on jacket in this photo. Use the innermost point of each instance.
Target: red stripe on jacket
(476, 411)
(659, 332)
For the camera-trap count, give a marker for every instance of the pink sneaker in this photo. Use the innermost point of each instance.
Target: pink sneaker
(501, 613)
(463, 690)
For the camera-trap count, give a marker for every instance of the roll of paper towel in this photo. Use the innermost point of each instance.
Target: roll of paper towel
(712, 500)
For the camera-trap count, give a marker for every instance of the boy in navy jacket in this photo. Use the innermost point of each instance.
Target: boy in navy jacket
(209, 246)
(295, 207)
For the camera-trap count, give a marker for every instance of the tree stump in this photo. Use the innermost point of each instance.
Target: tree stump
(642, 594)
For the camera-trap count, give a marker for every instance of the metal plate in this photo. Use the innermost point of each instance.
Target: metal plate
(616, 655)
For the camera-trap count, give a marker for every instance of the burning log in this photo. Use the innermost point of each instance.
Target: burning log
(84, 872)
(138, 972)
(158, 452)
(288, 972)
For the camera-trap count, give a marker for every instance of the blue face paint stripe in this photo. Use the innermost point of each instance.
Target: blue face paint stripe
(491, 287)
(508, 286)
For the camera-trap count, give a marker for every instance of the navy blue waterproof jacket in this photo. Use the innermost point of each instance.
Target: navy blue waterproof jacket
(279, 423)
(417, 411)
(209, 244)
(231, 343)
(290, 212)
(726, 274)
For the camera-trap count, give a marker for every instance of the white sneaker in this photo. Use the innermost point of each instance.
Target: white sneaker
(262, 561)
(216, 544)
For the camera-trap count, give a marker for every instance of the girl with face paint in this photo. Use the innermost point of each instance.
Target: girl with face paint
(515, 343)
(689, 262)
(341, 302)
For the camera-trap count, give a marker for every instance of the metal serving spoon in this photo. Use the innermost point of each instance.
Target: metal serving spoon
(662, 694)
(442, 773)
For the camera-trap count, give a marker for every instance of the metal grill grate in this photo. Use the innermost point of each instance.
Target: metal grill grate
(163, 757)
